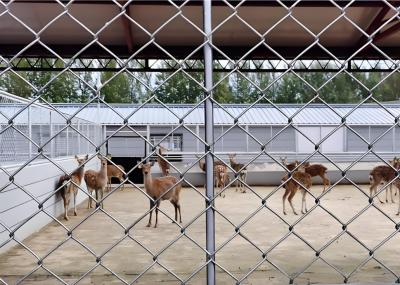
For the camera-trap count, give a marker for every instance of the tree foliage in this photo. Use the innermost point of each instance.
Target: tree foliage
(181, 87)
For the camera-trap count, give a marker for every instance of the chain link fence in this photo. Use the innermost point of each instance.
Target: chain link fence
(197, 52)
(25, 128)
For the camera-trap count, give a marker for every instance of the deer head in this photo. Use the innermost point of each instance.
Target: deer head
(283, 160)
(81, 161)
(146, 167)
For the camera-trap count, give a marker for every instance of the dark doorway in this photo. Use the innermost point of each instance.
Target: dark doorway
(127, 151)
(136, 176)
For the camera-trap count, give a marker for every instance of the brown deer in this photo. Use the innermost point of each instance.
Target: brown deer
(221, 177)
(162, 162)
(159, 189)
(217, 164)
(117, 171)
(292, 186)
(318, 170)
(242, 174)
(289, 166)
(68, 185)
(392, 162)
(383, 174)
(97, 181)
(202, 163)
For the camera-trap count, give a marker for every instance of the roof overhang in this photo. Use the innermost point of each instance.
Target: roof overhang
(160, 29)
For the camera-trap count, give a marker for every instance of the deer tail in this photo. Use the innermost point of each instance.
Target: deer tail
(61, 183)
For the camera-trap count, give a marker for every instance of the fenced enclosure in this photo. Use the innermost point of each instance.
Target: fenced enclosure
(26, 127)
(207, 94)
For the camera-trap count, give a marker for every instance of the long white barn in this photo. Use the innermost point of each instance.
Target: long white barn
(335, 128)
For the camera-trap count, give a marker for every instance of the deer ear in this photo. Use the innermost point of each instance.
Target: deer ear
(152, 163)
(76, 157)
(140, 166)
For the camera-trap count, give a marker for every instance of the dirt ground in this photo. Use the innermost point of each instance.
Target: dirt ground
(239, 254)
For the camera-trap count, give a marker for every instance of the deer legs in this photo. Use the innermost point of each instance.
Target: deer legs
(303, 202)
(391, 193)
(373, 189)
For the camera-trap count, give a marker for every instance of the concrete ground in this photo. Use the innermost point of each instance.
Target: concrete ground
(241, 256)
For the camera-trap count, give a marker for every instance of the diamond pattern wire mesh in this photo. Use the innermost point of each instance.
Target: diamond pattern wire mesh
(222, 240)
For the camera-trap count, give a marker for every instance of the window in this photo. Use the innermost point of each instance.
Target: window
(384, 144)
(172, 142)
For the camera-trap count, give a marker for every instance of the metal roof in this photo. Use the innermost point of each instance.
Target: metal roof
(36, 113)
(157, 115)
(315, 114)
(62, 28)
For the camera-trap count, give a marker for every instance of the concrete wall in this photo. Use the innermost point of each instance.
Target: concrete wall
(39, 180)
(270, 174)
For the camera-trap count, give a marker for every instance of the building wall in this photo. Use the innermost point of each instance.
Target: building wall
(310, 136)
(383, 138)
(288, 140)
(39, 180)
(126, 143)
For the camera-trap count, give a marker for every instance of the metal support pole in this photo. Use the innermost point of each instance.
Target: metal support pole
(78, 136)
(30, 132)
(197, 140)
(209, 138)
(67, 150)
(247, 137)
(148, 139)
(50, 136)
(88, 145)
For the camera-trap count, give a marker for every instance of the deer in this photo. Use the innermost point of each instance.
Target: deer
(383, 174)
(202, 163)
(293, 185)
(97, 181)
(239, 168)
(162, 162)
(117, 171)
(312, 169)
(289, 166)
(218, 178)
(159, 189)
(68, 185)
(392, 162)
(318, 170)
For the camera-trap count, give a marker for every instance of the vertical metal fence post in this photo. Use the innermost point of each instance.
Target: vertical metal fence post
(30, 131)
(147, 150)
(209, 138)
(78, 127)
(51, 135)
(67, 142)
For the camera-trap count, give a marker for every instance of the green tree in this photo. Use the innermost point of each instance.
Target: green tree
(289, 90)
(52, 86)
(14, 84)
(222, 92)
(116, 88)
(178, 87)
